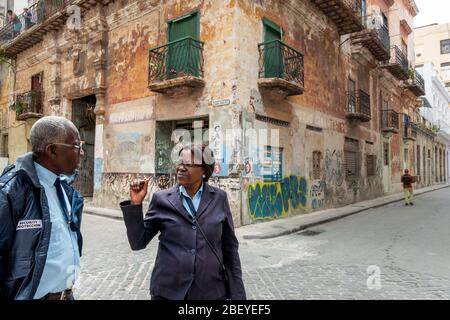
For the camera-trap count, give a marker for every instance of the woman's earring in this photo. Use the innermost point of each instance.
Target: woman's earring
(204, 176)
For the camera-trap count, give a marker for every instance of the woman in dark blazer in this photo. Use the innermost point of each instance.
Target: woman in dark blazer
(186, 268)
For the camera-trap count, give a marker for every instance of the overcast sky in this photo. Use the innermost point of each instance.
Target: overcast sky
(432, 11)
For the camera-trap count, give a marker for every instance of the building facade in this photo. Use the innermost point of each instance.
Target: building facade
(437, 111)
(432, 44)
(306, 105)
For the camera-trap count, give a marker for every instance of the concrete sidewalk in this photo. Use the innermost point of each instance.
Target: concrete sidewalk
(281, 227)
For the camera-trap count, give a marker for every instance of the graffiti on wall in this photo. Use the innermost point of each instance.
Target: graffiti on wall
(271, 200)
(119, 184)
(334, 167)
(317, 194)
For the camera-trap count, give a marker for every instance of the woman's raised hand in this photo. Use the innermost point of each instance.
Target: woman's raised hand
(138, 191)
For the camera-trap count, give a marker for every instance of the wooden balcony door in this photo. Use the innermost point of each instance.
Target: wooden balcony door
(273, 54)
(183, 57)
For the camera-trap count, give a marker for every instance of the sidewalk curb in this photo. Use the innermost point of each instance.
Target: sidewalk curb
(117, 215)
(304, 226)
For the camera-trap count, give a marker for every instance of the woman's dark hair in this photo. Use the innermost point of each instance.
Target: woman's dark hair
(202, 151)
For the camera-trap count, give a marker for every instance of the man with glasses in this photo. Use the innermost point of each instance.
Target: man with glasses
(40, 216)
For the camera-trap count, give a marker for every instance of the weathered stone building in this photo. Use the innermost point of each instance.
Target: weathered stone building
(304, 101)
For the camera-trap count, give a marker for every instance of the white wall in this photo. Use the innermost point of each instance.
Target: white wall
(437, 96)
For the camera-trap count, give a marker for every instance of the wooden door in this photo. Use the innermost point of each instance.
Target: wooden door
(273, 54)
(183, 56)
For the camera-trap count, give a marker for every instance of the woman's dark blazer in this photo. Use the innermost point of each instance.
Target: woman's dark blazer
(185, 266)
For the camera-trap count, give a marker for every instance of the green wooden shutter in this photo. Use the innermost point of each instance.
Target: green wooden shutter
(184, 56)
(273, 54)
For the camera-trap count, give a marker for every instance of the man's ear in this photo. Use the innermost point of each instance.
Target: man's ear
(50, 151)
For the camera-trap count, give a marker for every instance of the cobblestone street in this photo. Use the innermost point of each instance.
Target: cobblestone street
(406, 244)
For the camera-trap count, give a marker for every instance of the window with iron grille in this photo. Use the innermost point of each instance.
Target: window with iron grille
(316, 163)
(351, 157)
(445, 46)
(371, 161)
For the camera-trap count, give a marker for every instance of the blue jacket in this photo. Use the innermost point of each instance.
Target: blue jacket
(185, 266)
(23, 252)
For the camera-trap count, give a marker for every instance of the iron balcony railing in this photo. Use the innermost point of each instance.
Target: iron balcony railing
(363, 102)
(407, 127)
(417, 80)
(279, 60)
(37, 14)
(389, 120)
(29, 102)
(380, 31)
(358, 103)
(414, 130)
(183, 57)
(399, 58)
(351, 102)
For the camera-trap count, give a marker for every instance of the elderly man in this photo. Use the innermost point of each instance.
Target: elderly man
(40, 216)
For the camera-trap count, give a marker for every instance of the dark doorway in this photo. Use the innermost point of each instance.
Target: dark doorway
(83, 117)
(168, 142)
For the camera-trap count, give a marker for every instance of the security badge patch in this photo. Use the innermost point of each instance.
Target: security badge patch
(29, 224)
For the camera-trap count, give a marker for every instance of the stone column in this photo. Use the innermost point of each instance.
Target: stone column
(54, 97)
(100, 45)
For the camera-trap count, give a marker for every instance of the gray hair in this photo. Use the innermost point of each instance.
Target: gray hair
(48, 130)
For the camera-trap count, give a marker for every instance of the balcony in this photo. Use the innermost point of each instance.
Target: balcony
(389, 121)
(358, 106)
(398, 64)
(409, 130)
(281, 70)
(376, 40)
(29, 105)
(415, 84)
(409, 134)
(346, 14)
(46, 16)
(176, 67)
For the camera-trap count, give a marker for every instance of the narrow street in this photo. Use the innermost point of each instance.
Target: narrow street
(408, 246)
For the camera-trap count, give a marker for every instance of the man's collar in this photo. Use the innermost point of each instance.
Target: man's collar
(45, 176)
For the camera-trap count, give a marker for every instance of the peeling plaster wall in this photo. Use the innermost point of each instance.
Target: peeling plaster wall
(129, 143)
(328, 61)
(109, 57)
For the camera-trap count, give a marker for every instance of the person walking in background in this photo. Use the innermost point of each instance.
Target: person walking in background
(407, 181)
(198, 250)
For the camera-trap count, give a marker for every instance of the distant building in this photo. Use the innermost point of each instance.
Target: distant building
(436, 110)
(433, 45)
